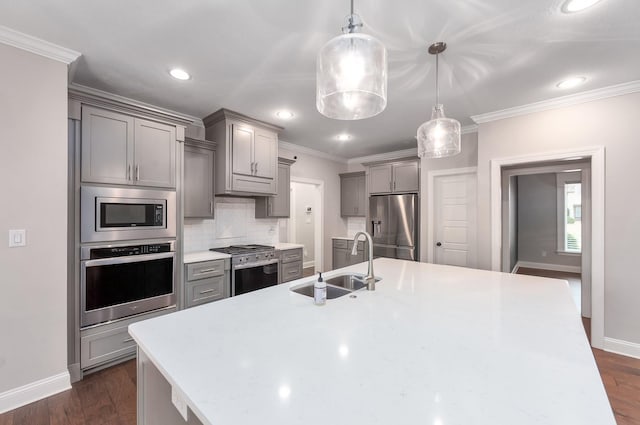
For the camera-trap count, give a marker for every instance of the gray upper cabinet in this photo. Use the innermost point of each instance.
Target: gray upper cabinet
(199, 160)
(120, 149)
(279, 205)
(352, 194)
(394, 177)
(246, 155)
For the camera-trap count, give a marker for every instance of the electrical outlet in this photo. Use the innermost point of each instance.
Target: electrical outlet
(17, 237)
(544, 253)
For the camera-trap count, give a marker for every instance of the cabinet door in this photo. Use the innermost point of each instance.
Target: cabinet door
(265, 154)
(154, 154)
(198, 182)
(341, 258)
(279, 204)
(348, 194)
(380, 179)
(361, 196)
(242, 150)
(107, 146)
(405, 177)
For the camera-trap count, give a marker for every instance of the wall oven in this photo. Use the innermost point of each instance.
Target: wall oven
(117, 281)
(114, 214)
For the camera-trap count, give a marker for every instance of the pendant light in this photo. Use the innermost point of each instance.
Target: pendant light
(440, 136)
(351, 74)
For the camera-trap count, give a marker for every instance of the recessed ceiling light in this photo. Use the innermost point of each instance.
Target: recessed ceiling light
(572, 82)
(571, 6)
(285, 115)
(179, 74)
(343, 137)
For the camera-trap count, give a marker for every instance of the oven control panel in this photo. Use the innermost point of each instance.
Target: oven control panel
(254, 257)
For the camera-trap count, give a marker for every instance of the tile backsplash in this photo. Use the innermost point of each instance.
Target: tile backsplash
(355, 225)
(234, 224)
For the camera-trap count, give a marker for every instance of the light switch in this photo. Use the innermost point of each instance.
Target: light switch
(17, 237)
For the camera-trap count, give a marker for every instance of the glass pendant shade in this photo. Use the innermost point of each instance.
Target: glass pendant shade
(351, 77)
(440, 136)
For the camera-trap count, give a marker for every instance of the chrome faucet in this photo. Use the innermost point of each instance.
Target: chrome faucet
(370, 279)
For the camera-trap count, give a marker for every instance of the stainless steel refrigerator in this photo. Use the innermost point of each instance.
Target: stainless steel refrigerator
(394, 226)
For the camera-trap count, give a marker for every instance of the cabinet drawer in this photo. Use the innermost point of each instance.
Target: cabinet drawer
(242, 183)
(104, 346)
(340, 243)
(291, 255)
(291, 271)
(205, 269)
(204, 291)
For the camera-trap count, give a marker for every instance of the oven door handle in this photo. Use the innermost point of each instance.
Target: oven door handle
(257, 264)
(127, 259)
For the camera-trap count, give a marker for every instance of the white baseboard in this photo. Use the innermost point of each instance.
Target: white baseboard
(545, 266)
(34, 391)
(618, 346)
(308, 264)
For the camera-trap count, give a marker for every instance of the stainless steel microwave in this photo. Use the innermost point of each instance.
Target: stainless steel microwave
(115, 214)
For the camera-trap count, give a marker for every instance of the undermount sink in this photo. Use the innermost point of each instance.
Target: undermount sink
(337, 286)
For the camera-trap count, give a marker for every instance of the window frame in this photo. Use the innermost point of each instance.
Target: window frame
(561, 180)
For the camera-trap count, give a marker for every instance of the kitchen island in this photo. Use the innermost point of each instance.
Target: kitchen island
(432, 345)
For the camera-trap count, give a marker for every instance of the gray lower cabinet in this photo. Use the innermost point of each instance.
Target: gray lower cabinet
(278, 205)
(206, 281)
(290, 265)
(353, 194)
(342, 253)
(106, 344)
(396, 177)
(120, 149)
(199, 160)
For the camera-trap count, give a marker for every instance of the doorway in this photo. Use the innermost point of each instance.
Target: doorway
(306, 221)
(592, 261)
(451, 226)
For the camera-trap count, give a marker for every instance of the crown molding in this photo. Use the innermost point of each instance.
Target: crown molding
(303, 149)
(469, 129)
(560, 102)
(387, 156)
(110, 100)
(38, 46)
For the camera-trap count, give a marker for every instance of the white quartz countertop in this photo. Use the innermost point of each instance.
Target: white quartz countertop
(282, 246)
(196, 257)
(433, 345)
(342, 238)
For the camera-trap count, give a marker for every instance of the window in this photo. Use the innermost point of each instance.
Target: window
(569, 212)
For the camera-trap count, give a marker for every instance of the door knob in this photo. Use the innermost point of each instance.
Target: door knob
(439, 244)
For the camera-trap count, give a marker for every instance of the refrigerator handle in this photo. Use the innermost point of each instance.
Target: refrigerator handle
(373, 227)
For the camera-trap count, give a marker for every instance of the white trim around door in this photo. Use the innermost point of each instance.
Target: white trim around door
(597, 156)
(319, 224)
(431, 176)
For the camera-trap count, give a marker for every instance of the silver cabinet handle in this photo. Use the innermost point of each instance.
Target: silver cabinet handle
(207, 271)
(252, 172)
(211, 207)
(256, 168)
(127, 340)
(129, 172)
(390, 186)
(394, 185)
(293, 271)
(207, 291)
(137, 171)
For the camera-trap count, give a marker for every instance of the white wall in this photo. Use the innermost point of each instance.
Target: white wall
(312, 167)
(612, 123)
(538, 221)
(468, 157)
(33, 172)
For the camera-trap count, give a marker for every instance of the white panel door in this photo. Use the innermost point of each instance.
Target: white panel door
(455, 220)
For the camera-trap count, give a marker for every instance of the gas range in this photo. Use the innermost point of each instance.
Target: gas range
(248, 254)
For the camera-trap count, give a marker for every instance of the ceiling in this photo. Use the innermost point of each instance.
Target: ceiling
(257, 56)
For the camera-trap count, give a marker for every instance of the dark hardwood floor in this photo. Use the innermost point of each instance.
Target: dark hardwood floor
(108, 397)
(309, 271)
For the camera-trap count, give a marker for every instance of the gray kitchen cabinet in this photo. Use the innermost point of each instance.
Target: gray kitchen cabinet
(279, 205)
(353, 194)
(111, 343)
(342, 253)
(247, 154)
(199, 160)
(206, 281)
(395, 177)
(120, 149)
(290, 265)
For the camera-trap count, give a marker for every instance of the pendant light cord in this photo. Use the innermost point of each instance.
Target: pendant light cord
(437, 87)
